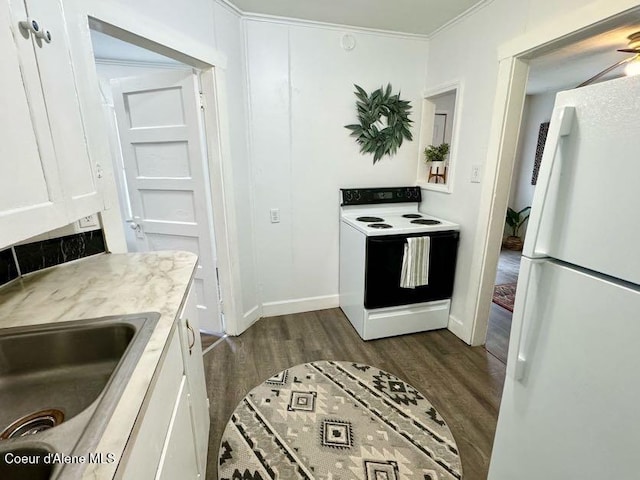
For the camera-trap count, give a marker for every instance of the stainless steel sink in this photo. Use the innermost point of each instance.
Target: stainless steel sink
(59, 385)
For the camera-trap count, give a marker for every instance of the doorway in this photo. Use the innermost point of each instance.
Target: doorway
(538, 107)
(154, 113)
(517, 66)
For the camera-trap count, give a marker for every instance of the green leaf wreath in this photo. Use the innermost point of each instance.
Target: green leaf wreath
(371, 133)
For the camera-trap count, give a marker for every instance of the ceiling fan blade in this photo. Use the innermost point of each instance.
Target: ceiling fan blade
(629, 50)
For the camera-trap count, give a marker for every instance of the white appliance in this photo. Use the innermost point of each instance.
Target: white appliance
(571, 401)
(374, 226)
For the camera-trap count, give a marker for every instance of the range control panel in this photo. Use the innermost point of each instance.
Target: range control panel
(366, 196)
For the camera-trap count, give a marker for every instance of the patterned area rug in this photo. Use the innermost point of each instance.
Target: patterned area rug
(340, 421)
(505, 295)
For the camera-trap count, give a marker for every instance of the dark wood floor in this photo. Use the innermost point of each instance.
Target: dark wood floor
(508, 267)
(463, 383)
(208, 339)
(500, 318)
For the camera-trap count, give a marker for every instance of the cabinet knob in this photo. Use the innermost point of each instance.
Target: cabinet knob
(33, 26)
(44, 35)
(30, 24)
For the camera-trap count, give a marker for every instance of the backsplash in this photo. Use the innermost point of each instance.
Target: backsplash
(47, 253)
(8, 269)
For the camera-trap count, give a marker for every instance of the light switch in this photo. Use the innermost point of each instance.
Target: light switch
(275, 215)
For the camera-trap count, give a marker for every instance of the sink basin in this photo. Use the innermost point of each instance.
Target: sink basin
(60, 383)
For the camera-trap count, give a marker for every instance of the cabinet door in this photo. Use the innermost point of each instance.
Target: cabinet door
(146, 447)
(194, 368)
(31, 200)
(78, 176)
(179, 456)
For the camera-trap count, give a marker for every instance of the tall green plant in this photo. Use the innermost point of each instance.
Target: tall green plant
(515, 220)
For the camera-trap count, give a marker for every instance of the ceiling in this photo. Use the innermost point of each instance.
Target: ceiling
(408, 16)
(555, 70)
(571, 65)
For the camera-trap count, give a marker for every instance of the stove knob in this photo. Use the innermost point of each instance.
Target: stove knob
(357, 195)
(347, 196)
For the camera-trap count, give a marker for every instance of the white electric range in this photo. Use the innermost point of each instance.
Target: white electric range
(374, 226)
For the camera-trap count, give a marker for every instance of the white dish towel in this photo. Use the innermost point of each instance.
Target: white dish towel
(415, 262)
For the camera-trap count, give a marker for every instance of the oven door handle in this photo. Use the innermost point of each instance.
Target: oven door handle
(387, 240)
(444, 234)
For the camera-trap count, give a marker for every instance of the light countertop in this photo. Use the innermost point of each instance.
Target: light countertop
(110, 284)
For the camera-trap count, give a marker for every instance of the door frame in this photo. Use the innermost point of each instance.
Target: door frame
(513, 57)
(211, 65)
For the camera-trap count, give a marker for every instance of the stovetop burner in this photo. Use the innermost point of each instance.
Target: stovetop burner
(411, 215)
(370, 219)
(379, 225)
(426, 221)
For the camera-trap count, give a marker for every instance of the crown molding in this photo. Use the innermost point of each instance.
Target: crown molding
(298, 22)
(227, 5)
(467, 13)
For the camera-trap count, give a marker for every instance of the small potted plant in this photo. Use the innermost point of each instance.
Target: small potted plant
(436, 154)
(515, 220)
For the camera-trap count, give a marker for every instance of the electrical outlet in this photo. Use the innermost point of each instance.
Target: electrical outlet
(275, 215)
(88, 221)
(475, 173)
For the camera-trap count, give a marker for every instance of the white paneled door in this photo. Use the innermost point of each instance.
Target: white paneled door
(164, 155)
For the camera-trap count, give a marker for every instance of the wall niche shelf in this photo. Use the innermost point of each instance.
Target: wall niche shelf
(439, 124)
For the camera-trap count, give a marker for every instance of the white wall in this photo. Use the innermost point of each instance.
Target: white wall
(229, 33)
(537, 109)
(446, 104)
(187, 25)
(301, 96)
(467, 51)
(453, 57)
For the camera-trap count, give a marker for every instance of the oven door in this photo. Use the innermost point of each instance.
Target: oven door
(384, 266)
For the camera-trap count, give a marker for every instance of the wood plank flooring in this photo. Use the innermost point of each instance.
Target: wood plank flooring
(463, 383)
(500, 318)
(208, 339)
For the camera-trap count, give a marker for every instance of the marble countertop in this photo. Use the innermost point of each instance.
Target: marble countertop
(110, 284)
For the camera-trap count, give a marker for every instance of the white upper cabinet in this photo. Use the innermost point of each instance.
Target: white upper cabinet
(77, 171)
(31, 199)
(47, 176)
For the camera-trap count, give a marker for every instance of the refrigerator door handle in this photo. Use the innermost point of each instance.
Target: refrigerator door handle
(560, 127)
(524, 317)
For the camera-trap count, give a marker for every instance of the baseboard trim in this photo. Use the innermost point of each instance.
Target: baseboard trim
(250, 317)
(459, 329)
(273, 309)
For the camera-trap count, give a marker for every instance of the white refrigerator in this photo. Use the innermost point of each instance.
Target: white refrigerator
(570, 407)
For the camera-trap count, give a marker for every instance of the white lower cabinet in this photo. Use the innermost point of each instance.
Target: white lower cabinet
(179, 456)
(194, 366)
(171, 435)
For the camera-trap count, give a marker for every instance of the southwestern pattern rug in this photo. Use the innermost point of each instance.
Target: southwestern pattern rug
(505, 295)
(337, 421)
